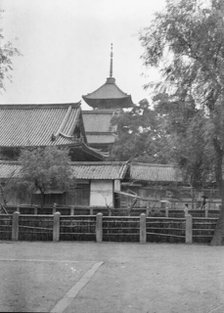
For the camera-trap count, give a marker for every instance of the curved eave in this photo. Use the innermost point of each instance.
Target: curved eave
(108, 95)
(125, 102)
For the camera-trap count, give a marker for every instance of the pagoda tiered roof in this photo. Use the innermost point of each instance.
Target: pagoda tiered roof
(108, 96)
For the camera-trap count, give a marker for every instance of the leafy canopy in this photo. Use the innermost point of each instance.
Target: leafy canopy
(7, 52)
(140, 135)
(46, 168)
(186, 42)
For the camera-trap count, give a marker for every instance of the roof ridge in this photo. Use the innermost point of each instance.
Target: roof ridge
(65, 119)
(99, 111)
(9, 162)
(121, 163)
(39, 106)
(154, 164)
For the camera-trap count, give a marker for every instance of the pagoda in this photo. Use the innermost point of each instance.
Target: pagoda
(106, 101)
(109, 95)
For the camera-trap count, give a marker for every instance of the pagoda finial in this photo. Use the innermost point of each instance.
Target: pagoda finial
(111, 60)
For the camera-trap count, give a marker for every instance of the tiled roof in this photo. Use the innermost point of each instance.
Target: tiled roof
(81, 170)
(108, 91)
(155, 172)
(9, 169)
(108, 170)
(99, 170)
(38, 125)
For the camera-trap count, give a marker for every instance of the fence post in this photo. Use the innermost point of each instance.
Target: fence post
(54, 208)
(142, 238)
(206, 211)
(188, 229)
(99, 227)
(167, 211)
(35, 210)
(56, 226)
(15, 226)
(72, 210)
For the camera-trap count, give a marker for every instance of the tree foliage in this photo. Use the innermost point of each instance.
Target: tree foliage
(44, 169)
(186, 126)
(7, 52)
(140, 135)
(186, 42)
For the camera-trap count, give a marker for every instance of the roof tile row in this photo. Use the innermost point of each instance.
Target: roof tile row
(34, 125)
(109, 170)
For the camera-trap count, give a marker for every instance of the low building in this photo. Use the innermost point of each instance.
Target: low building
(95, 184)
(162, 185)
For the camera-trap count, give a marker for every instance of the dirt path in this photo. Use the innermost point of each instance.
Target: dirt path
(153, 278)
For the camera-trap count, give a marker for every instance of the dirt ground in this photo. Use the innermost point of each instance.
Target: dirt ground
(69, 277)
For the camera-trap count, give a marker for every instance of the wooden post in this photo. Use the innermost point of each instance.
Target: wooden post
(15, 226)
(206, 211)
(35, 210)
(142, 232)
(91, 211)
(54, 208)
(18, 209)
(188, 229)
(99, 227)
(72, 210)
(56, 226)
(167, 211)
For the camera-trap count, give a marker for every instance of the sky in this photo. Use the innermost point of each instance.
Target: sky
(65, 47)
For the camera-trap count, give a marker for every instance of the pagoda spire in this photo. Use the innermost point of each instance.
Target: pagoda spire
(111, 60)
(109, 95)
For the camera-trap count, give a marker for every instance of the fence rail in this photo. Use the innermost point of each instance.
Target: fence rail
(116, 228)
(171, 229)
(93, 210)
(34, 227)
(99, 228)
(5, 227)
(77, 227)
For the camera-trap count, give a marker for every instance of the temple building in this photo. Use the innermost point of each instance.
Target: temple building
(42, 125)
(106, 101)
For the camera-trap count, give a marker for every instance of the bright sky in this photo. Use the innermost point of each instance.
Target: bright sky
(66, 47)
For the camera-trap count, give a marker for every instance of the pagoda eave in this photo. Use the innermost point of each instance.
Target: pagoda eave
(125, 102)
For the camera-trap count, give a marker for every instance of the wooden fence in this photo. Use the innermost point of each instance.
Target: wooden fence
(106, 228)
(93, 210)
(6, 227)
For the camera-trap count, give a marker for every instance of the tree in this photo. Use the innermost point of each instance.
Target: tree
(44, 169)
(185, 124)
(7, 52)
(140, 135)
(186, 42)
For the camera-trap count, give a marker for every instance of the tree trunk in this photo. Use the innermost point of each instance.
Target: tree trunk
(218, 237)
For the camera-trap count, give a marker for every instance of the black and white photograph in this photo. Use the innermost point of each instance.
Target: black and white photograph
(112, 156)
